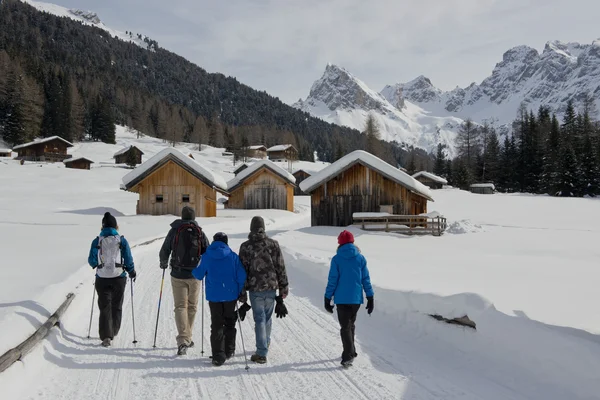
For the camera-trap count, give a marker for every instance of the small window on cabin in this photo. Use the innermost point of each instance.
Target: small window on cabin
(159, 198)
(185, 198)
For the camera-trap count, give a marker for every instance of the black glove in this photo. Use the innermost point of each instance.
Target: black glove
(370, 304)
(243, 297)
(243, 310)
(280, 308)
(132, 275)
(163, 265)
(328, 305)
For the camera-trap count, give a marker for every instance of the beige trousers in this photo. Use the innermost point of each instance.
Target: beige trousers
(185, 295)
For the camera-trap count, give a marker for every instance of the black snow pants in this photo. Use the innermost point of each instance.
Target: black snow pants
(222, 329)
(110, 301)
(347, 317)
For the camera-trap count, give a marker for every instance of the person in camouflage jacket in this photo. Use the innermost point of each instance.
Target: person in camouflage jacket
(265, 269)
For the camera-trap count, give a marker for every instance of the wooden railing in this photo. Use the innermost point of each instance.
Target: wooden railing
(407, 224)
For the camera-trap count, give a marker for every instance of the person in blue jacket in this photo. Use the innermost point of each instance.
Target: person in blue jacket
(348, 277)
(111, 257)
(225, 279)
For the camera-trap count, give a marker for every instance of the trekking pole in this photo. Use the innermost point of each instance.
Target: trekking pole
(132, 313)
(241, 335)
(202, 333)
(159, 301)
(92, 312)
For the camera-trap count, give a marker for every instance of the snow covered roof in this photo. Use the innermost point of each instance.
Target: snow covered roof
(431, 176)
(45, 140)
(257, 147)
(170, 154)
(280, 147)
(5, 150)
(125, 150)
(70, 160)
(257, 166)
(483, 185)
(369, 160)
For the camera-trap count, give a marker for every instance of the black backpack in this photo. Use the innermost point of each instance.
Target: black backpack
(187, 246)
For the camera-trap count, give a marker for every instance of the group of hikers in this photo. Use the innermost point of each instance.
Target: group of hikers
(258, 274)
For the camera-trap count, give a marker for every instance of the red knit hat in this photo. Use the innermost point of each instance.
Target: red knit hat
(345, 237)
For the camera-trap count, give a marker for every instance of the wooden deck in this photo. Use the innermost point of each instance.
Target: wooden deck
(405, 224)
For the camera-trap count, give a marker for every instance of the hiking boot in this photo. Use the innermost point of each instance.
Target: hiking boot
(258, 359)
(217, 362)
(347, 363)
(229, 355)
(182, 350)
(192, 344)
(106, 342)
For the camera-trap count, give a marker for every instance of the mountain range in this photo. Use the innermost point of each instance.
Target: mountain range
(420, 114)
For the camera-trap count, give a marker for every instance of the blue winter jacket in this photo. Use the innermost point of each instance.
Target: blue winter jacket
(125, 251)
(348, 276)
(225, 274)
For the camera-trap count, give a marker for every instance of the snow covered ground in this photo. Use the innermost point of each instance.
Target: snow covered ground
(523, 267)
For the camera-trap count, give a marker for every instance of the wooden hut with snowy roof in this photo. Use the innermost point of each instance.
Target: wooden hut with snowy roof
(127, 154)
(430, 180)
(362, 183)
(78, 163)
(171, 180)
(50, 149)
(282, 152)
(263, 185)
(5, 153)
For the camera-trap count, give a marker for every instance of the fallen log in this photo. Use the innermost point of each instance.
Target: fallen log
(462, 321)
(17, 353)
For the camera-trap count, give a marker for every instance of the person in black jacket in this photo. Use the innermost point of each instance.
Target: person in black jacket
(184, 244)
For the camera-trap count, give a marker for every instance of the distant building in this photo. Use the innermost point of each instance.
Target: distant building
(78, 163)
(483, 188)
(362, 183)
(282, 152)
(256, 151)
(51, 149)
(300, 176)
(171, 180)
(122, 156)
(430, 180)
(5, 153)
(263, 185)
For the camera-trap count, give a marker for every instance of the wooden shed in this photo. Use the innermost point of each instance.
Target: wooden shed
(300, 176)
(78, 163)
(361, 182)
(282, 152)
(51, 149)
(171, 180)
(263, 185)
(430, 180)
(122, 156)
(256, 151)
(5, 153)
(483, 188)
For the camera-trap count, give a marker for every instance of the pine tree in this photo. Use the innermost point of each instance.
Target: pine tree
(449, 173)
(551, 159)
(439, 167)
(411, 168)
(200, 131)
(467, 142)
(373, 135)
(567, 178)
(492, 157)
(131, 160)
(216, 134)
(462, 175)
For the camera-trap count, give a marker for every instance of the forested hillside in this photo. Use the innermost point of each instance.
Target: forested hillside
(59, 77)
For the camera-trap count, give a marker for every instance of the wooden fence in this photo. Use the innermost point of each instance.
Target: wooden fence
(407, 224)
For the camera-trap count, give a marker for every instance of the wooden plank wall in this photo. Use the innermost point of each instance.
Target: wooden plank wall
(173, 182)
(360, 189)
(81, 164)
(263, 190)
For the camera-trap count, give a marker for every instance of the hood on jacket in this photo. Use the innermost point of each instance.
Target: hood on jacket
(257, 230)
(218, 250)
(348, 250)
(178, 222)
(108, 232)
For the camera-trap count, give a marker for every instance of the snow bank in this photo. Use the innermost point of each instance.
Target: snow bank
(463, 226)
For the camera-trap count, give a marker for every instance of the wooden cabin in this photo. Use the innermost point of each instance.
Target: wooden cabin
(256, 151)
(282, 152)
(430, 180)
(51, 149)
(264, 186)
(361, 182)
(5, 153)
(171, 180)
(124, 155)
(300, 176)
(78, 163)
(482, 188)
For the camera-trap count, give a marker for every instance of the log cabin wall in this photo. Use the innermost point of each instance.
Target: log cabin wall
(263, 190)
(122, 158)
(361, 189)
(79, 164)
(178, 188)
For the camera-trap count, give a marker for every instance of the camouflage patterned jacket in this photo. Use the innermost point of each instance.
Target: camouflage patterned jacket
(263, 261)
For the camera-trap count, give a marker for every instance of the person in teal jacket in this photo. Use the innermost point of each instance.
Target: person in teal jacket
(110, 255)
(225, 278)
(348, 278)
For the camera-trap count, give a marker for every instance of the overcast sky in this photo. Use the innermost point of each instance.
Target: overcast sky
(283, 46)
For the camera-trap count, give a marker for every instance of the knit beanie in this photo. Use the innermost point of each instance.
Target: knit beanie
(188, 213)
(256, 224)
(108, 221)
(345, 237)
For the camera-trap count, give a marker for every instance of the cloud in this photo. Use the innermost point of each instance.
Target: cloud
(282, 46)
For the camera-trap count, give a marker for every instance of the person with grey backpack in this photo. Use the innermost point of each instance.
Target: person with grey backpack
(110, 255)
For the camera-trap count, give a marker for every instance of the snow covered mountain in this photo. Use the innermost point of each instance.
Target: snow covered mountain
(92, 19)
(561, 72)
(341, 98)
